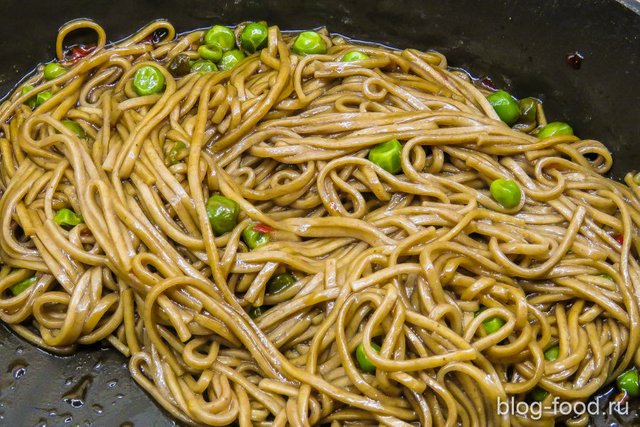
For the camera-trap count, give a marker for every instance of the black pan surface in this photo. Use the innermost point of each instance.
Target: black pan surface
(521, 44)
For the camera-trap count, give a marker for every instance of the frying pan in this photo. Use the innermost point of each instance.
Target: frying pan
(521, 44)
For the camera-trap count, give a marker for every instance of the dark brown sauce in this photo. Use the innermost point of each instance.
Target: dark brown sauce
(574, 60)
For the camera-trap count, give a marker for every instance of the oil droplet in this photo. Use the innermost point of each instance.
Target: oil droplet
(119, 396)
(98, 409)
(75, 397)
(112, 383)
(19, 372)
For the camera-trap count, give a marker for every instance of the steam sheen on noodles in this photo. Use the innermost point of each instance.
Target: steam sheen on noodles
(415, 262)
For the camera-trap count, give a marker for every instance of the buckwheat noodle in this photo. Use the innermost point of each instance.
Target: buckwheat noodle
(404, 260)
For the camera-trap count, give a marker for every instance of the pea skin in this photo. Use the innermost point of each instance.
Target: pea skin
(506, 192)
(505, 106)
(221, 37)
(203, 66)
(53, 70)
(388, 156)
(309, 43)
(231, 59)
(148, 80)
(354, 56)
(362, 359)
(629, 382)
(280, 283)
(223, 214)
(555, 129)
(254, 37)
(254, 238)
(67, 218)
(74, 127)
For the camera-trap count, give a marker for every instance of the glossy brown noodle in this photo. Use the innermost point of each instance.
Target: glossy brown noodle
(406, 259)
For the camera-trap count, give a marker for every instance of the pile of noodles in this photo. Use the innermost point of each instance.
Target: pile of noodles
(403, 260)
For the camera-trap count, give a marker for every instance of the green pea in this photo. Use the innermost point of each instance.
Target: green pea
(363, 361)
(505, 106)
(179, 65)
(506, 192)
(176, 153)
(20, 287)
(387, 156)
(555, 129)
(552, 353)
(67, 217)
(203, 66)
(210, 52)
(528, 110)
(53, 70)
(629, 382)
(231, 59)
(223, 214)
(280, 282)
(31, 102)
(493, 324)
(354, 56)
(254, 37)
(43, 97)
(37, 100)
(309, 43)
(148, 80)
(254, 238)
(74, 127)
(538, 394)
(220, 36)
(256, 312)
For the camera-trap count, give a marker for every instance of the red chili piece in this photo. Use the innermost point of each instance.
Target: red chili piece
(619, 238)
(262, 228)
(76, 53)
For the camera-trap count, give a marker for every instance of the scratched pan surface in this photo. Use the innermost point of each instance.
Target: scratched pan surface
(522, 45)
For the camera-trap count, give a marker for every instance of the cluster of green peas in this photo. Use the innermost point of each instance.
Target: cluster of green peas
(628, 382)
(52, 71)
(220, 48)
(506, 192)
(220, 51)
(223, 215)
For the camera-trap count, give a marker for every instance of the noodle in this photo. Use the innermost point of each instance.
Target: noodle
(415, 262)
